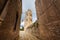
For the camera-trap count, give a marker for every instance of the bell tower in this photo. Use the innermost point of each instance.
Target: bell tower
(28, 19)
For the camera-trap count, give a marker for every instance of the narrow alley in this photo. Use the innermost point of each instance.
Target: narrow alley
(26, 36)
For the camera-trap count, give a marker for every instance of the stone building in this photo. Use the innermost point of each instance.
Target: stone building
(10, 11)
(28, 19)
(33, 30)
(48, 14)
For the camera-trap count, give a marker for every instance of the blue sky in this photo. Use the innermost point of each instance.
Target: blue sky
(28, 4)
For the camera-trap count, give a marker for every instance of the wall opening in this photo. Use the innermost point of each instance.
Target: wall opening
(16, 21)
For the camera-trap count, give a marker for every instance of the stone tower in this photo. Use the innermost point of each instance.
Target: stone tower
(28, 19)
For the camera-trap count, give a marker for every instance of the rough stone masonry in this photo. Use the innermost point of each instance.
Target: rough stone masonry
(10, 12)
(48, 13)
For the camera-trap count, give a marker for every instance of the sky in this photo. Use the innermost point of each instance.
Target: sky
(28, 4)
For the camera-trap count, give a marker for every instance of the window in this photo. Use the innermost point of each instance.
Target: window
(16, 21)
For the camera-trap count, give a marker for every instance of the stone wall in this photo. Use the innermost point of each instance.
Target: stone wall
(33, 30)
(48, 12)
(9, 27)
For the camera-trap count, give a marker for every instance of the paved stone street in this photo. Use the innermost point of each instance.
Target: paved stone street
(26, 36)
